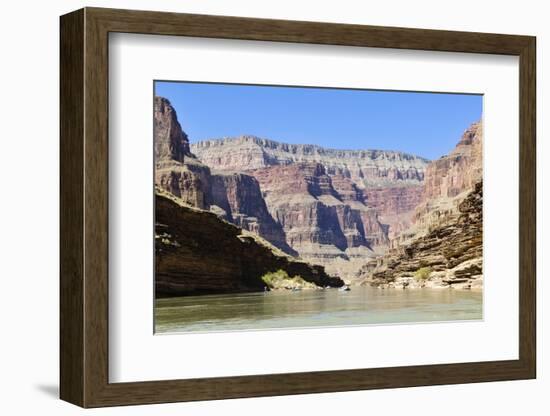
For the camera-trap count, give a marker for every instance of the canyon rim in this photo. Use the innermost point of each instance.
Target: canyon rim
(318, 226)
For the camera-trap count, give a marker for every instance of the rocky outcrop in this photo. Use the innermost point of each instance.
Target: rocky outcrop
(445, 235)
(450, 175)
(196, 252)
(320, 223)
(189, 181)
(335, 208)
(321, 197)
(395, 206)
(235, 197)
(450, 254)
(366, 168)
(170, 143)
(448, 179)
(177, 170)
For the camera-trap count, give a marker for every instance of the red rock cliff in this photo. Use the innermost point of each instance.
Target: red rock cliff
(235, 197)
(445, 236)
(450, 175)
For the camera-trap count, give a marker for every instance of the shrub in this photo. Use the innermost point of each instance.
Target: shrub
(423, 273)
(280, 280)
(272, 278)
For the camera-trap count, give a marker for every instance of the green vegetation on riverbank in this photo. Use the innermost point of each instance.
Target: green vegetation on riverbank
(281, 280)
(423, 273)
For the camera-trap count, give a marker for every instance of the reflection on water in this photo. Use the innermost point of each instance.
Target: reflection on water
(314, 308)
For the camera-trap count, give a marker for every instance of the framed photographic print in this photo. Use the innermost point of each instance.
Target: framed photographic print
(255, 207)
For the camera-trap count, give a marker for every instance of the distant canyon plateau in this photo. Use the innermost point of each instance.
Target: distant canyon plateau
(230, 210)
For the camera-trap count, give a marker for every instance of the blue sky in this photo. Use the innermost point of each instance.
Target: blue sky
(424, 124)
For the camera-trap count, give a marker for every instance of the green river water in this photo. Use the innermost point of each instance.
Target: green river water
(314, 308)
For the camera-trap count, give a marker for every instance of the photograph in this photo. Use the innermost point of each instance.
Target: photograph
(261, 208)
(295, 207)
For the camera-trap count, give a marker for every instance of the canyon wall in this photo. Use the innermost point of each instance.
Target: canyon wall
(445, 235)
(395, 206)
(177, 170)
(450, 175)
(319, 222)
(234, 197)
(336, 208)
(447, 182)
(364, 167)
(241, 202)
(196, 252)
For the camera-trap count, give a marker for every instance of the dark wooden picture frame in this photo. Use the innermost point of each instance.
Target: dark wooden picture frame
(84, 207)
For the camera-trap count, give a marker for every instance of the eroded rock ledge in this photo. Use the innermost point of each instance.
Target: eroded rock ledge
(199, 253)
(450, 254)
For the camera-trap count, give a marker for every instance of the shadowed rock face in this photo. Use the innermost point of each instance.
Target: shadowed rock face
(241, 202)
(199, 253)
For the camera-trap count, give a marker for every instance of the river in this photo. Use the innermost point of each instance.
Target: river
(314, 308)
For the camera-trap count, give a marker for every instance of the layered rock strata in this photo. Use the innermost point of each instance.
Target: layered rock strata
(364, 167)
(199, 253)
(177, 170)
(241, 202)
(322, 197)
(448, 179)
(450, 175)
(451, 253)
(235, 197)
(306, 200)
(337, 208)
(445, 238)
(318, 221)
(395, 206)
